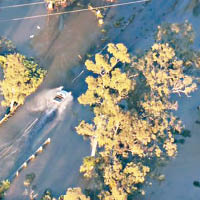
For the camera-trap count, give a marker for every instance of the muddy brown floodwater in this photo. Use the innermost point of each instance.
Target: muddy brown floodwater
(57, 46)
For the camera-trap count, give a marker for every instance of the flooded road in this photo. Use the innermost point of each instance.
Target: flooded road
(183, 170)
(58, 45)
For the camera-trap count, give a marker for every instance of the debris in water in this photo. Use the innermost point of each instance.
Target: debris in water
(31, 36)
(197, 122)
(38, 27)
(29, 179)
(98, 14)
(161, 177)
(80, 57)
(101, 21)
(196, 183)
(47, 194)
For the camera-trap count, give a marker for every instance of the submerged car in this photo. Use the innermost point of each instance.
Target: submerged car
(60, 96)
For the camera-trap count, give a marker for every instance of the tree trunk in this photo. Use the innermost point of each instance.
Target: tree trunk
(94, 146)
(12, 106)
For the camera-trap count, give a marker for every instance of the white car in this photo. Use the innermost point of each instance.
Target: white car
(60, 96)
(58, 100)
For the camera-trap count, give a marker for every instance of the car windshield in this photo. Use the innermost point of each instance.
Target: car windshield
(58, 98)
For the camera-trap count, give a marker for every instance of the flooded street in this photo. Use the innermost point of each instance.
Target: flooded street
(183, 170)
(56, 46)
(58, 43)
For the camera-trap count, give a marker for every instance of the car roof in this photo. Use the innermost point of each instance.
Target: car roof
(62, 93)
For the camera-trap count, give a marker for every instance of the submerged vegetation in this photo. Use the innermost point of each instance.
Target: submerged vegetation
(6, 46)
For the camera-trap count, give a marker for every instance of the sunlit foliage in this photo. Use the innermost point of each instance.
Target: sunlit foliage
(21, 78)
(180, 37)
(4, 186)
(126, 137)
(75, 194)
(115, 129)
(163, 74)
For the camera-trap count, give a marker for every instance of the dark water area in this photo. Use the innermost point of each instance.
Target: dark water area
(58, 43)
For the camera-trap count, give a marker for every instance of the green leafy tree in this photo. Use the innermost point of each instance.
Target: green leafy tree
(112, 127)
(127, 137)
(163, 75)
(75, 194)
(4, 186)
(181, 38)
(133, 119)
(21, 78)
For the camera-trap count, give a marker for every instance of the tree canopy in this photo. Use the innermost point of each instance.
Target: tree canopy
(126, 138)
(4, 186)
(21, 78)
(75, 194)
(133, 122)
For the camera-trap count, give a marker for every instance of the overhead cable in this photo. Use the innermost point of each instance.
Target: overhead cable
(22, 5)
(74, 11)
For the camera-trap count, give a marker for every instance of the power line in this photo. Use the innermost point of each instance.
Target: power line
(74, 11)
(22, 5)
